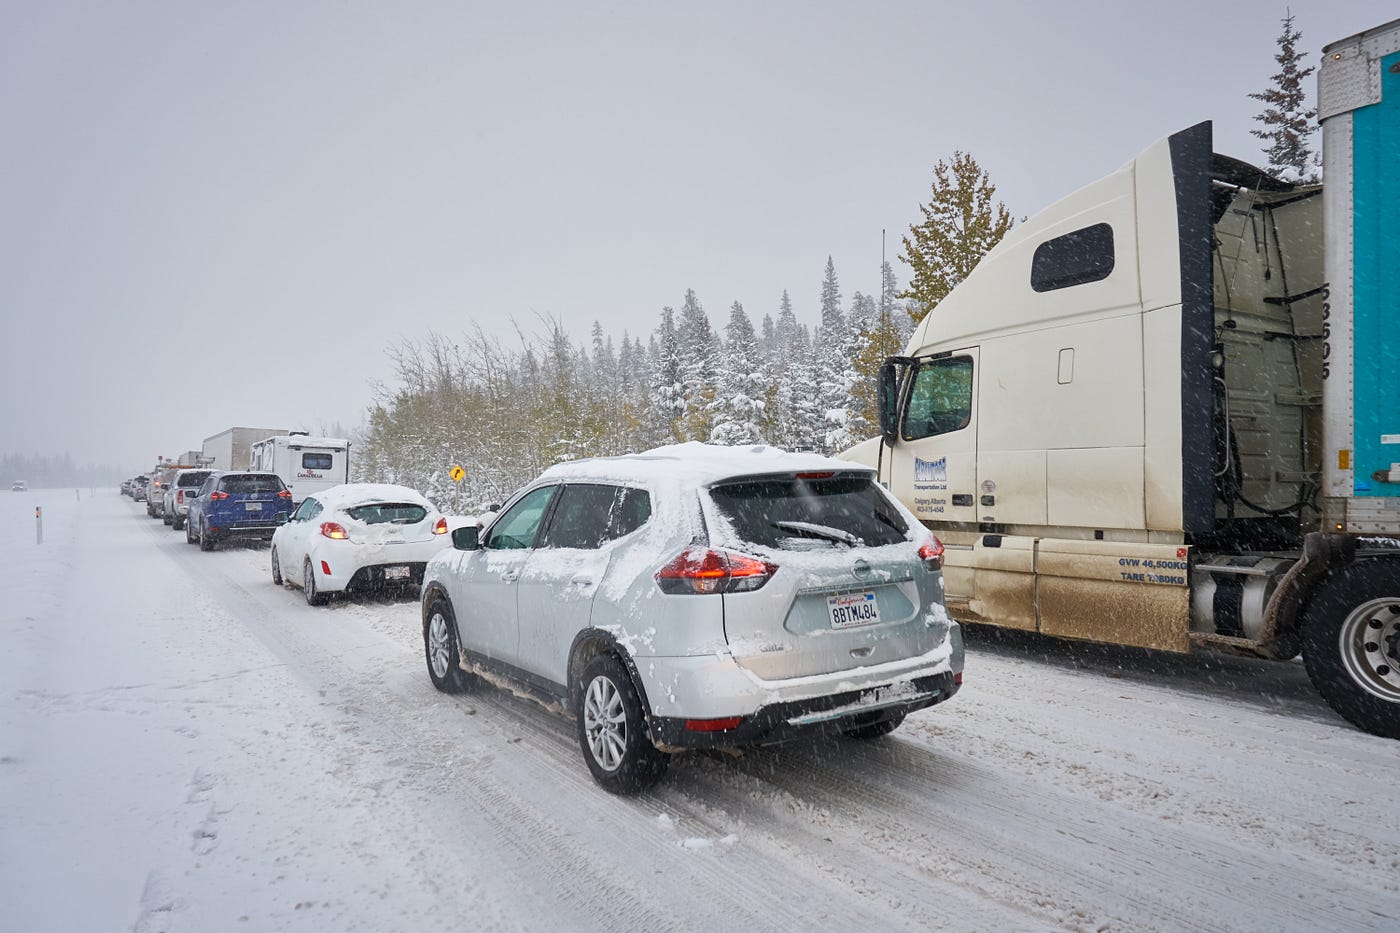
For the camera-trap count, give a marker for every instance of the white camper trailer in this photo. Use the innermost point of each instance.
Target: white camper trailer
(1161, 412)
(306, 464)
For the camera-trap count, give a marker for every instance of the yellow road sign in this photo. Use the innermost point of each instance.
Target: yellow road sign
(456, 473)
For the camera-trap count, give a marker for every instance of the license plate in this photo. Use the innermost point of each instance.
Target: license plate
(253, 506)
(396, 573)
(851, 609)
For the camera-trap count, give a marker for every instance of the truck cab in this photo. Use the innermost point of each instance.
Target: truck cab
(1156, 414)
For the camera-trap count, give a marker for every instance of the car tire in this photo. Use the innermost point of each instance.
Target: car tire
(612, 729)
(276, 569)
(177, 522)
(1351, 644)
(314, 597)
(165, 518)
(206, 538)
(189, 534)
(874, 730)
(440, 649)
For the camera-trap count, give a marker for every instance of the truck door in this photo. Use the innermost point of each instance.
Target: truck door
(936, 475)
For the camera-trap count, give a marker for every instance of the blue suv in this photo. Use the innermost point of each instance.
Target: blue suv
(237, 505)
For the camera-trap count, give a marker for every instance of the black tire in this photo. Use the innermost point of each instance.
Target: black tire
(874, 730)
(206, 538)
(1351, 644)
(165, 518)
(177, 522)
(276, 569)
(314, 597)
(440, 648)
(612, 729)
(189, 534)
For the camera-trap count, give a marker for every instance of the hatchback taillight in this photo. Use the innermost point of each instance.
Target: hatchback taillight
(931, 553)
(216, 495)
(707, 570)
(334, 531)
(441, 527)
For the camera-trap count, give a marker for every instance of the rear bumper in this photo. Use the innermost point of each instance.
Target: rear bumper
(372, 578)
(800, 719)
(716, 687)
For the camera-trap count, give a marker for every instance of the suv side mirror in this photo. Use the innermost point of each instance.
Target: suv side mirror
(466, 538)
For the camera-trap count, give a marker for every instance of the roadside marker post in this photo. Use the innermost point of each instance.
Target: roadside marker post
(38, 524)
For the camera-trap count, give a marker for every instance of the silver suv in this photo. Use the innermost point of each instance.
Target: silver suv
(178, 492)
(698, 597)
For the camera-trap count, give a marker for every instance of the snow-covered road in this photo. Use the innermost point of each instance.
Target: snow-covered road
(186, 747)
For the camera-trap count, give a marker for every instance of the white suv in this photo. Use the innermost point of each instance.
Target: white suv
(698, 597)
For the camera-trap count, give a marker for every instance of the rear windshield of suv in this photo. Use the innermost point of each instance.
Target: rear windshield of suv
(795, 513)
(192, 478)
(247, 484)
(399, 513)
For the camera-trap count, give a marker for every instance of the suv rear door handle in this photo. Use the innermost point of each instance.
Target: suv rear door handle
(581, 579)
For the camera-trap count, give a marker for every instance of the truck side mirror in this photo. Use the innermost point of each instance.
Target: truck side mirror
(889, 400)
(466, 538)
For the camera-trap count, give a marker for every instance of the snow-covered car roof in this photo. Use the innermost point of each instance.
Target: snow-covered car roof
(350, 495)
(696, 464)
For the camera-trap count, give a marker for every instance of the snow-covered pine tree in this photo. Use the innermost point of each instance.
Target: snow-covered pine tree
(1289, 123)
(743, 384)
(699, 364)
(832, 368)
(667, 394)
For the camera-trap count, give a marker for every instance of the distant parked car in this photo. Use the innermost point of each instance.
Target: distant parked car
(357, 536)
(237, 505)
(18, 486)
(179, 490)
(698, 597)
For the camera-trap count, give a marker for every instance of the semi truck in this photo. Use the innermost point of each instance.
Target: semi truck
(1162, 412)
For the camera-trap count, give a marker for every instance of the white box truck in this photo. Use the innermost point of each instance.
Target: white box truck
(1162, 412)
(306, 464)
(232, 449)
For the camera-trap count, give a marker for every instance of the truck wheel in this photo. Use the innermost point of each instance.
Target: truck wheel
(177, 522)
(1351, 644)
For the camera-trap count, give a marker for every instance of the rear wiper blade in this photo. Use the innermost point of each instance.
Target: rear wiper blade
(826, 532)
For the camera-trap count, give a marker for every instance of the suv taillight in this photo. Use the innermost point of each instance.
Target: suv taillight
(931, 553)
(334, 530)
(179, 497)
(707, 570)
(285, 494)
(216, 495)
(441, 527)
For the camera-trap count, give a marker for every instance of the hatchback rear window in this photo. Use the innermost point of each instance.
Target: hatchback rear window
(799, 514)
(248, 484)
(397, 513)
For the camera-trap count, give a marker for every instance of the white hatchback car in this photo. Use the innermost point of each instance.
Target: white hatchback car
(360, 536)
(698, 597)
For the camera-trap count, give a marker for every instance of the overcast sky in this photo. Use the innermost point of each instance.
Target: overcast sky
(218, 214)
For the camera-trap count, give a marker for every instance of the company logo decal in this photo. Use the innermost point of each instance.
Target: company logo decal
(931, 471)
